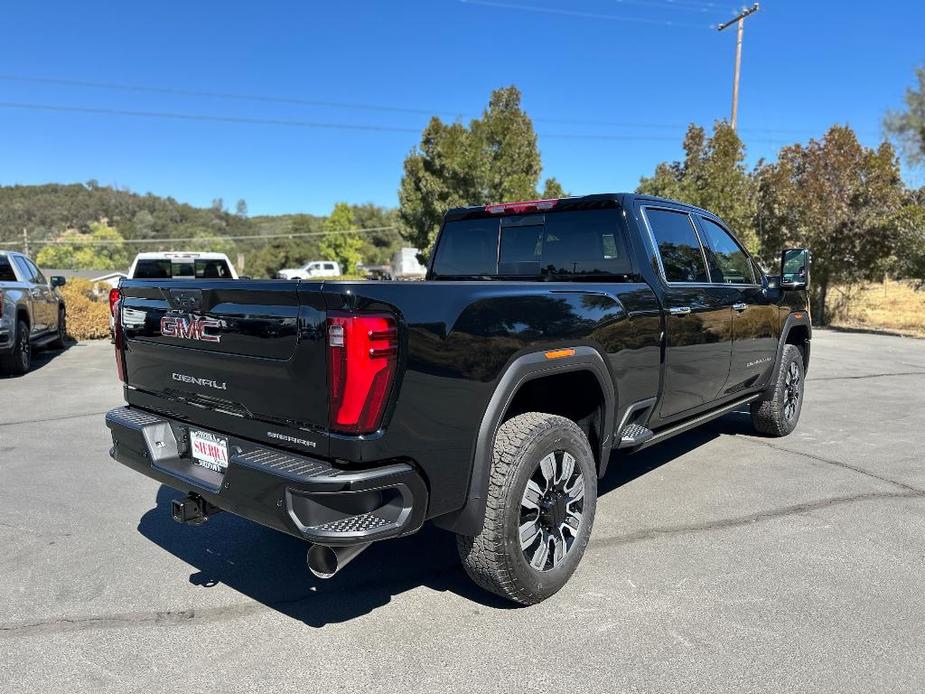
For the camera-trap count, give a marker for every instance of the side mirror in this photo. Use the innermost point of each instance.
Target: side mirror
(794, 268)
(57, 281)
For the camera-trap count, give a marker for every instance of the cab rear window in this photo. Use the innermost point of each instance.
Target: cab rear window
(158, 269)
(6, 270)
(562, 245)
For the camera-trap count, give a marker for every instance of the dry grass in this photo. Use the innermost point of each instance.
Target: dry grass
(87, 315)
(894, 306)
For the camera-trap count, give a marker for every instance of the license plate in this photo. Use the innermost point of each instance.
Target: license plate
(209, 451)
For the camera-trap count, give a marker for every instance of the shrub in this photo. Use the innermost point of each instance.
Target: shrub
(87, 313)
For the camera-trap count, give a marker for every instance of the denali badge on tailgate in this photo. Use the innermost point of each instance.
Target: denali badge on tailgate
(190, 328)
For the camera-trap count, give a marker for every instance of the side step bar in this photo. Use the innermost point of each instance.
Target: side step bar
(695, 422)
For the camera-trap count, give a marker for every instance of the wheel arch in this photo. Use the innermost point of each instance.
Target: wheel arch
(521, 372)
(797, 330)
(22, 313)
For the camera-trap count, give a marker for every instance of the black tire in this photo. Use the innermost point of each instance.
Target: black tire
(778, 412)
(496, 559)
(58, 342)
(19, 360)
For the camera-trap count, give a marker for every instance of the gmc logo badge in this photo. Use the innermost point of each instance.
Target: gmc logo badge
(190, 328)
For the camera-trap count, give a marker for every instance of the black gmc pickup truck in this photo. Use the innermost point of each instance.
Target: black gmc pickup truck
(550, 338)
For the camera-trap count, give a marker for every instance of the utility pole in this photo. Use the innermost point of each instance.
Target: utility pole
(740, 20)
(25, 241)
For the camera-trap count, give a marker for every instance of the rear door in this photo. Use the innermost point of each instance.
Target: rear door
(698, 314)
(754, 317)
(246, 351)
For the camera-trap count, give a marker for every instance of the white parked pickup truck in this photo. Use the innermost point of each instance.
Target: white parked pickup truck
(311, 269)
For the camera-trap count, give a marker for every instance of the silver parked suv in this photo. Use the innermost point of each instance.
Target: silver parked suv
(32, 312)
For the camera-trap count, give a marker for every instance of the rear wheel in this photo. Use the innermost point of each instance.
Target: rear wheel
(778, 412)
(540, 508)
(18, 361)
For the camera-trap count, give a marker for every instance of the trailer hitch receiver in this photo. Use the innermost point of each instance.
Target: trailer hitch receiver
(193, 510)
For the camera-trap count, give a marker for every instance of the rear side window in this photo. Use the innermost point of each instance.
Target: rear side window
(212, 269)
(585, 243)
(557, 245)
(678, 246)
(152, 269)
(728, 262)
(6, 270)
(468, 247)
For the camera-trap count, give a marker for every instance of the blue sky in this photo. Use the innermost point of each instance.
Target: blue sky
(636, 70)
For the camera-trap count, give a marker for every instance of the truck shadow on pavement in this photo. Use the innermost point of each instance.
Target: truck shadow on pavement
(41, 357)
(269, 566)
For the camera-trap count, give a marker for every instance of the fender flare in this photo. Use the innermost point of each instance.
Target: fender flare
(468, 520)
(800, 318)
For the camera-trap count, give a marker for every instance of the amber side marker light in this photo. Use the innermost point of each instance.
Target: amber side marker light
(560, 353)
(798, 314)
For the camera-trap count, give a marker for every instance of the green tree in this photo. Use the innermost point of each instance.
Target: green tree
(378, 246)
(340, 242)
(103, 248)
(494, 159)
(838, 198)
(712, 176)
(240, 208)
(909, 256)
(552, 189)
(908, 125)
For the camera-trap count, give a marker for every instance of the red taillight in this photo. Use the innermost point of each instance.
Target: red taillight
(519, 207)
(114, 295)
(118, 338)
(362, 358)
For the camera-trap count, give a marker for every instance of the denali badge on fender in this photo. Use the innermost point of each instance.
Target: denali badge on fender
(190, 328)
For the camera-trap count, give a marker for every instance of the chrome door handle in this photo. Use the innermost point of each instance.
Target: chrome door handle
(679, 310)
(739, 307)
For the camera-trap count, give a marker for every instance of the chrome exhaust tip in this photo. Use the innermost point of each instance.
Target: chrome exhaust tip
(324, 561)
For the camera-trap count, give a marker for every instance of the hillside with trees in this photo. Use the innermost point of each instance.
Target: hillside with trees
(87, 225)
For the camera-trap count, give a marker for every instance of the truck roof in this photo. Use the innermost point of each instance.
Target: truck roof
(575, 202)
(156, 255)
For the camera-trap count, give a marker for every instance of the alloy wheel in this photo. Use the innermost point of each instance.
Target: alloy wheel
(551, 511)
(25, 349)
(792, 390)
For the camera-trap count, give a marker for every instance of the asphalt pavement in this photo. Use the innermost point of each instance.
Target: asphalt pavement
(720, 561)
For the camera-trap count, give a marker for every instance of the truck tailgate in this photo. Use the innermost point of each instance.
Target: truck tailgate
(240, 349)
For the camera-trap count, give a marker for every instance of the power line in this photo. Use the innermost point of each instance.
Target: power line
(313, 124)
(109, 242)
(200, 117)
(180, 91)
(585, 15)
(153, 89)
(667, 5)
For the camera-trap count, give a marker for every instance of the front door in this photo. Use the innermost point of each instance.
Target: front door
(698, 315)
(755, 317)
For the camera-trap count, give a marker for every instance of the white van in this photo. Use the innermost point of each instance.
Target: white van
(311, 270)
